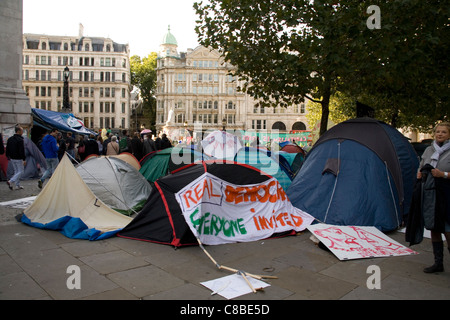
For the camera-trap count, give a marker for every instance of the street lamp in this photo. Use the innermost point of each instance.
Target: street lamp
(186, 132)
(66, 103)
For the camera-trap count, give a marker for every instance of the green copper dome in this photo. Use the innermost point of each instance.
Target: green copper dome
(169, 38)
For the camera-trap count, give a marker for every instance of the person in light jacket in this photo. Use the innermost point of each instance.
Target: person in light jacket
(112, 147)
(437, 158)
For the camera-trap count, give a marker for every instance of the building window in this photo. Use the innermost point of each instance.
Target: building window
(302, 108)
(259, 124)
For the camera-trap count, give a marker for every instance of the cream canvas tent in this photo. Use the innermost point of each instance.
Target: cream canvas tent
(67, 204)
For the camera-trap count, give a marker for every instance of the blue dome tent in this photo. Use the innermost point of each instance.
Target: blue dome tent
(361, 172)
(270, 163)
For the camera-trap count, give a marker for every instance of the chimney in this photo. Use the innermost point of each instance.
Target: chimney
(80, 31)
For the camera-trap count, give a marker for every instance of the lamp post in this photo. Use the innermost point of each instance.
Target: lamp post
(186, 132)
(66, 103)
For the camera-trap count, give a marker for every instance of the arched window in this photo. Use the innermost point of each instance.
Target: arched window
(108, 48)
(44, 46)
(86, 47)
(66, 46)
(279, 126)
(299, 126)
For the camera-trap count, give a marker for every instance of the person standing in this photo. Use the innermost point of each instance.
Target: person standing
(165, 142)
(136, 146)
(113, 147)
(62, 146)
(70, 141)
(105, 143)
(148, 145)
(435, 166)
(125, 142)
(15, 152)
(50, 150)
(91, 146)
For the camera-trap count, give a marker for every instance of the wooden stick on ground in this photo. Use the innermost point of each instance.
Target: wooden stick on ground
(243, 274)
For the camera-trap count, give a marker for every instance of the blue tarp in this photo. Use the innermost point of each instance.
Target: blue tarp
(71, 227)
(65, 122)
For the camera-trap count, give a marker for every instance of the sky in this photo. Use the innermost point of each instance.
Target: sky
(140, 23)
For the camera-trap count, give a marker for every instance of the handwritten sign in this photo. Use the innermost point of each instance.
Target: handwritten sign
(219, 212)
(351, 242)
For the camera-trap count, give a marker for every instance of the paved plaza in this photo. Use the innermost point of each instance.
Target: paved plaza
(35, 265)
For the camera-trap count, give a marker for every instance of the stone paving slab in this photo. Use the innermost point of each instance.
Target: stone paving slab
(34, 262)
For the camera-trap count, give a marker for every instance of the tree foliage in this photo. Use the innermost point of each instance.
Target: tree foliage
(143, 77)
(289, 50)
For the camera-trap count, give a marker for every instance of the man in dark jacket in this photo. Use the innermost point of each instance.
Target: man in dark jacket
(148, 144)
(62, 146)
(136, 146)
(165, 142)
(91, 146)
(15, 152)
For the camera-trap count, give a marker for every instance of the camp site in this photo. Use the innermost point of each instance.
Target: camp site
(223, 220)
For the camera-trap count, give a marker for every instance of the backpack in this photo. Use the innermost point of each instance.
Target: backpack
(123, 145)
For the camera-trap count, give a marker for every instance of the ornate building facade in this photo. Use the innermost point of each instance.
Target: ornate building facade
(196, 87)
(99, 81)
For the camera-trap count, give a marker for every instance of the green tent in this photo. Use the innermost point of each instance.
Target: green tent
(160, 163)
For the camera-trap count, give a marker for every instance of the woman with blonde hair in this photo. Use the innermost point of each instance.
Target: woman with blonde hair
(435, 166)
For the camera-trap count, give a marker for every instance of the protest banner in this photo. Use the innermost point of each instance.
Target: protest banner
(352, 242)
(219, 212)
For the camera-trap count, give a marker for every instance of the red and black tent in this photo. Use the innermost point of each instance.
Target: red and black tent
(161, 219)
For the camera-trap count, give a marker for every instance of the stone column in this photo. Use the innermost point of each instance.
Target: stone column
(14, 104)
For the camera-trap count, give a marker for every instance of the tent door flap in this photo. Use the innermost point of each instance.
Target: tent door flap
(331, 166)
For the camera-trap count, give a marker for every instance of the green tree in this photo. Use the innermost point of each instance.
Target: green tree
(406, 75)
(286, 51)
(143, 77)
(342, 107)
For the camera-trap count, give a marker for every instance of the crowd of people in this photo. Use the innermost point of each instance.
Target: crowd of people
(53, 145)
(106, 143)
